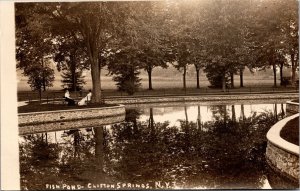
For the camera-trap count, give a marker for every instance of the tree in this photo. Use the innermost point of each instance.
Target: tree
(223, 35)
(274, 33)
(39, 78)
(124, 66)
(198, 63)
(289, 24)
(282, 61)
(97, 23)
(150, 35)
(141, 47)
(214, 74)
(199, 56)
(71, 58)
(151, 60)
(33, 49)
(181, 64)
(180, 37)
(73, 80)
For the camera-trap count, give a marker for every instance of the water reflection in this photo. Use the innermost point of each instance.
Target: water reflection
(190, 151)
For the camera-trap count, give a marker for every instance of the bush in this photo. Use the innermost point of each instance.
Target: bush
(214, 76)
(285, 81)
(127, 80)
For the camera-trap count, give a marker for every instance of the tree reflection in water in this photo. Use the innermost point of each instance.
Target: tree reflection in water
(221, 153)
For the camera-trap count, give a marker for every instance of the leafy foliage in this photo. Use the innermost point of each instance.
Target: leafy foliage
(222, 35)
(124, 67)
(33, 49)
(71, 58)
(40, 77)
(73, 81)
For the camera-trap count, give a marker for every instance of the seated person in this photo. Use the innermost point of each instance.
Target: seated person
(68, 98)
(86, 99)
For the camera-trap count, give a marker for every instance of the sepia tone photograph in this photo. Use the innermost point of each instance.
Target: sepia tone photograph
(157, 95)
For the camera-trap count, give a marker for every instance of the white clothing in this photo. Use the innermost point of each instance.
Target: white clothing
(67, 94)
(86, 99)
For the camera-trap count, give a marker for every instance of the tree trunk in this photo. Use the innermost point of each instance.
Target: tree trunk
(282, 111)
(225, 114)
(151, 123)
(99, 150)
(223, 83)
(281, 74)
(73, 73)
(241, 77)
(76, 143)
(184, 76)
(198, 76)
(151, 120)
(294, 68)
(232, 80)
(275, 112)
(40, 94)
(199, 118)
(274, 73)
(95, 62)
(95, 73)
(149, 71)
(74, 82)
(233, 117)
(186, 115)
(44, 79)
(242, 112)
(44, 82)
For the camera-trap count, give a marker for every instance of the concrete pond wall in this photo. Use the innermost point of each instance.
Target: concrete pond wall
(56, 120)
(75, 124)
(201, 98)
(292, 107)
(282, 155)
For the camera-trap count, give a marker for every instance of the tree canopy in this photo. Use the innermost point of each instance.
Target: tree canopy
(221, 36)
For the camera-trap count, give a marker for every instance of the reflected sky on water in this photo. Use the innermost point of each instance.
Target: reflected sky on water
(174, 114)
(187, 146)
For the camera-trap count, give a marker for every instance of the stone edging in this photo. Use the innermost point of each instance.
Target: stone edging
(75, 124)
(202, 98)
(34, 118)
(273, 136)
(281, 154)
(292, 107)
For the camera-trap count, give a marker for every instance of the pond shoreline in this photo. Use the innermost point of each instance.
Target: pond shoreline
(201, 98)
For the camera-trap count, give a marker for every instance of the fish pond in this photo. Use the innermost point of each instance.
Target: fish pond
(172, 146)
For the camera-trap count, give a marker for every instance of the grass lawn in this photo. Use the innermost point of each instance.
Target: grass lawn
(51, 95)
(37, 107)
(164, 80)
(290, 131)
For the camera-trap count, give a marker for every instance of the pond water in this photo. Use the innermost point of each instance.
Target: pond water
(178, 146)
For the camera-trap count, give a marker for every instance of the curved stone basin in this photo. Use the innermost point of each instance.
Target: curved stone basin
(292, 107)
(36, 122)
(68, 115)
(56, 126)
(282, 155)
